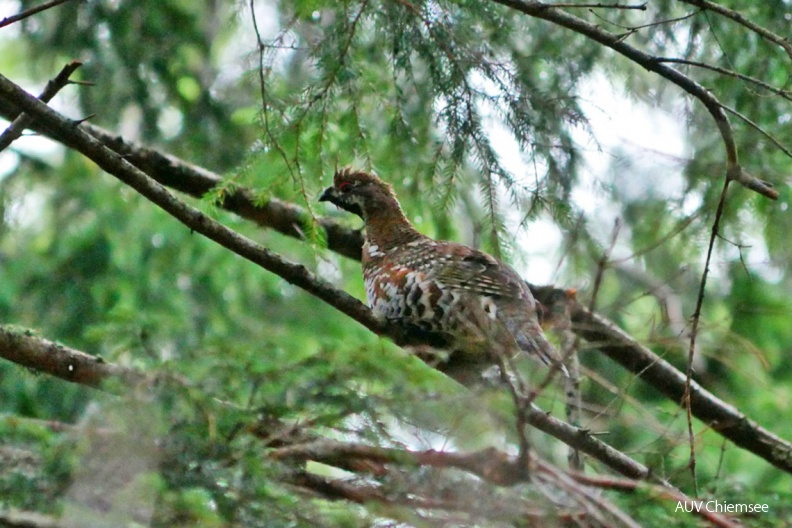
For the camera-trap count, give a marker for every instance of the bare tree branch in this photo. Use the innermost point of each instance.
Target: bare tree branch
(42, 355)
(22, 121)
(638, 7)
(738, 17)
(30, 12)
(786, 94)
(557, 16)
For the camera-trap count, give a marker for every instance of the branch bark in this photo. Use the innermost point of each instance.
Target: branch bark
(42, 355)
(22, 121)
(30, 12)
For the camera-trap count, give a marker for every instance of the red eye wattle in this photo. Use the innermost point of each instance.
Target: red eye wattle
(344, 186)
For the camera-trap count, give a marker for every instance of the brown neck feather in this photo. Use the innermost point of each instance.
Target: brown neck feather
(386, 226)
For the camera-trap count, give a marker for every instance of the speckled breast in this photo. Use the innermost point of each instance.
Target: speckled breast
(399, 287)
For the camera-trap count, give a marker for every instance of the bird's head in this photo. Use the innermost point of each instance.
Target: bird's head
(361, 193)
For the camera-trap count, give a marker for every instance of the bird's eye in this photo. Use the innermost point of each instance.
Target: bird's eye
(345, 186)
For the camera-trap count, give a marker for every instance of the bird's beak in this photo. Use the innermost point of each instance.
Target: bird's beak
(328, 195)
(332, 195)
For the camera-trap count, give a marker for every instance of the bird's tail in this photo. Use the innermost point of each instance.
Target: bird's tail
(532, 341)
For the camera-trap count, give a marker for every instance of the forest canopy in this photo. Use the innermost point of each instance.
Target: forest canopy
(183, 328)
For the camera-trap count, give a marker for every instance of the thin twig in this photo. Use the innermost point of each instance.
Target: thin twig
(634, 29)
(786, 94)
(30, 12)
(603, 263)
(738, 17)
(686, 400)
(265, 107)
(639, 7)
(681, 225)
(759, 129)
(18, 126)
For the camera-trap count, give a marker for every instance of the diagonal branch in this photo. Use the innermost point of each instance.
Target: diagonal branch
(65, 131)
(786, 94)
(22, 121)
(733, 169)
(738, 17)
(180, 175)
(7, 21)
(637, 7)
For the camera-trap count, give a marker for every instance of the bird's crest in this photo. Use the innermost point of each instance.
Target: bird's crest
(351, 176)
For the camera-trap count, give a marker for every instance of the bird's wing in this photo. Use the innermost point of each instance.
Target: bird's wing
(476, 272)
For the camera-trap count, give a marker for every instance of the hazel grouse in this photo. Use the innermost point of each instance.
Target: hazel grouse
(479, 304)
